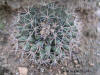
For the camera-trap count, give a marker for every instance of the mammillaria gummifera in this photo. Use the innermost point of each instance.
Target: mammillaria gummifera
(45, 33)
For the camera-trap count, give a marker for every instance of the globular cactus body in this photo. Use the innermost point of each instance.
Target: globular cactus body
(45, 33)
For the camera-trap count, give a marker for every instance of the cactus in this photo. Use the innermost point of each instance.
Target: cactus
(45, 33)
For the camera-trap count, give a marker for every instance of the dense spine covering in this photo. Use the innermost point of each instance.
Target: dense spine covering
(45, 33)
